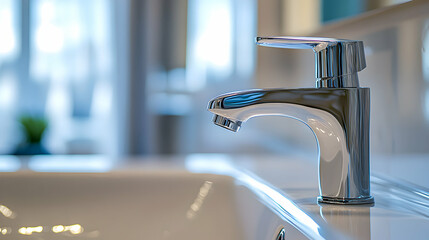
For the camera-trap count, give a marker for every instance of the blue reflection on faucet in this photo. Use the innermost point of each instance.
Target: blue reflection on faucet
(242, 100)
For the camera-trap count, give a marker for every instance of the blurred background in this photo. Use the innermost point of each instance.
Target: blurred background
(133, 77)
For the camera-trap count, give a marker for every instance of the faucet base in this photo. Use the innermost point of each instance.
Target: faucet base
(346, 201)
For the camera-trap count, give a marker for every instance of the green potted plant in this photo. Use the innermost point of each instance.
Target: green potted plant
(33, 129)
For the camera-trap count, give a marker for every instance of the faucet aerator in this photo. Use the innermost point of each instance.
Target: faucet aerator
(226, 123)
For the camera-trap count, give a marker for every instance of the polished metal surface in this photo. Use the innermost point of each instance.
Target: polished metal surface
(226, 123)
(338, 117)
(337, 61)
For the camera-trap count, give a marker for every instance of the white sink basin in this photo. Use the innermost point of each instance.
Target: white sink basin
(199, 197)
(134, 205)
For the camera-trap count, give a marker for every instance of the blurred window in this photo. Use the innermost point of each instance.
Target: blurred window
(9, 53)
(59, 67)
(220, 41)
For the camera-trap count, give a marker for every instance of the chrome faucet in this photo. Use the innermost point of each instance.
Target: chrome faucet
(337, 111)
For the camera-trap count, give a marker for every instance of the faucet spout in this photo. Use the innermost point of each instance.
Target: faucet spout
(339, 119)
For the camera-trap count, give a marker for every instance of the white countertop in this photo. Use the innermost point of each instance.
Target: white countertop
(399, 210)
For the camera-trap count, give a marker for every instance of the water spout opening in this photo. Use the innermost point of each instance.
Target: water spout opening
(226, 123)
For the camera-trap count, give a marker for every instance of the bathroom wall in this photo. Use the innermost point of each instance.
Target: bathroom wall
(396, 43)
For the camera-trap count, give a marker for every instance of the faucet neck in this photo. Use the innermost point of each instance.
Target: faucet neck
(344, 81)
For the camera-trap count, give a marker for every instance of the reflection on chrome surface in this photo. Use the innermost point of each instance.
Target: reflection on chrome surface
(337, 112)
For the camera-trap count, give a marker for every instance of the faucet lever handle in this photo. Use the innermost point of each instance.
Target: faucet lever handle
(337, 61)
